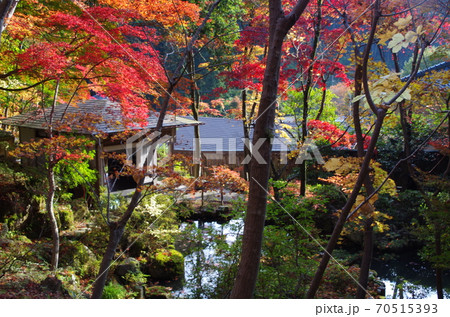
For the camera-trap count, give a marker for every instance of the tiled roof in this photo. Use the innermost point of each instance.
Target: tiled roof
(108, 116)
(444, 66)
(217, 134)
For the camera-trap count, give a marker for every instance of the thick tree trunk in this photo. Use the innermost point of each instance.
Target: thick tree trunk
(259, 171)
(256, 208)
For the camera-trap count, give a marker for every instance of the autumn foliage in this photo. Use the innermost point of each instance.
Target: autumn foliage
(335, 136)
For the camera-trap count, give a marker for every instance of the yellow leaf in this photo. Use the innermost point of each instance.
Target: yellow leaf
(411, 37)
(397, 38)
(332, 164)
(420, 30)
(403, 22)
(373, 199)
(386, 37)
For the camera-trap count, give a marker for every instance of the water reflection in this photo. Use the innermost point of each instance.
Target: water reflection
(408, 277)
(202, 262)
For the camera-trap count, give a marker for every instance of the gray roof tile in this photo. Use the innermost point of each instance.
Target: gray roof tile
(107, 114)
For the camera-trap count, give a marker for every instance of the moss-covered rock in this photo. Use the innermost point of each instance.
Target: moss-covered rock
(35, 223)
(75, 254)
(65, 217)
(165, 265)
(126, 270)
(80, 209)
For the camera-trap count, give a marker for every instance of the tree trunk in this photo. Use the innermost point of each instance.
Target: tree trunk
(52, 217)
(347, 208)
(306, 94)
(364, 172)
(115, 234)
(368, 229)
(52, 186)
(366, 259)
(322, 104)
(246, 125)
(7, 8)
(116, 230)
(280, 24)
(195, 104)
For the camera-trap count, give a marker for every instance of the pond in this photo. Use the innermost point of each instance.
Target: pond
(202, 263)
(408, 277)
(405, 276)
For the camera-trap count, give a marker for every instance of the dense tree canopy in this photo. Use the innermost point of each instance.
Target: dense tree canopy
(366, 81)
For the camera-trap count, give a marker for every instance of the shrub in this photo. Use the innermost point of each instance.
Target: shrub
(114, 291)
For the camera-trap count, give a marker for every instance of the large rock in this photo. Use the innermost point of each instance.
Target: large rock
(126, 270)
(165, 265)
(54, 285)
(75, 254)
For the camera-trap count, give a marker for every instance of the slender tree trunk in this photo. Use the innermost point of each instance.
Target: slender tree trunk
(116, 230)
(115, 234)
(7, 8)
(195, 104)
(347, 208)
(52, 187)
(246, 126)
(306, 94)
(368, 229)
(405, 123)
(366, 259)
(280, 24)
(364, 172)
(322, 104)
(52, 216)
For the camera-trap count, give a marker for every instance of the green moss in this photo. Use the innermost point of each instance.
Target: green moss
(80, 209)
(22, 238)
(166, 264)
(77, 255)
(90, 268)
(65, 216)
